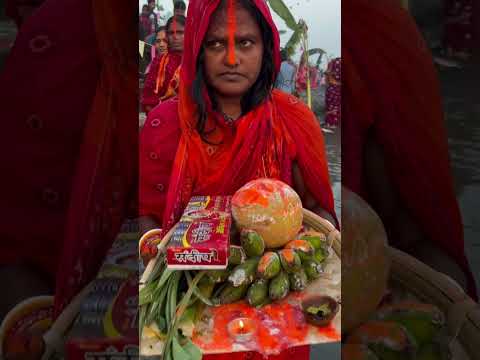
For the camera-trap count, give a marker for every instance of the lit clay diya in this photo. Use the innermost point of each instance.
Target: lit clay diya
(241, 329)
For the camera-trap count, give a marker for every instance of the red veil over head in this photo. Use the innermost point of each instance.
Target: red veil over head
(390, 87)
(264, 142)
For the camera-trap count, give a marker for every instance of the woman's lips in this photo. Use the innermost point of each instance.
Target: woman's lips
(232, 76)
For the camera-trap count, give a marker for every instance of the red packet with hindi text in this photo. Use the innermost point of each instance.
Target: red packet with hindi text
(201, 238)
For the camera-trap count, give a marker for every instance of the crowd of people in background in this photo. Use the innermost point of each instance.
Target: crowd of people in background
(160, 67)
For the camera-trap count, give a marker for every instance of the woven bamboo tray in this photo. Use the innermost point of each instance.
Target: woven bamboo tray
(310, 220)
(462, 313)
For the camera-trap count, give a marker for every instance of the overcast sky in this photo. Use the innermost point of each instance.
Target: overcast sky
(323, 18)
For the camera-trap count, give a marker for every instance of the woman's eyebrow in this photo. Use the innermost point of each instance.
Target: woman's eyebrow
(219, 37)
(210, 37)
(246, 34)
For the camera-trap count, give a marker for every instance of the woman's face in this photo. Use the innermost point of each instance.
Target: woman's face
(226, 79)
(175, 34)
(161, 42)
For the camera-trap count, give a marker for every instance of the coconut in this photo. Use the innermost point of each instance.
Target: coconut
(271, 208)
(365, 262)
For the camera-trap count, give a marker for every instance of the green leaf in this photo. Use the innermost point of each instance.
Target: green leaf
(316, 51)
(158, 269)
(142, 311)
(294, 40)
(157, 307)
(164, 278)
(193, 350)
(282, 10)
(169, 308)
(167, 351)
(145, 295)
(173, 328)
(161, 323)
(197, 292)
(189, 315)
(178, 352)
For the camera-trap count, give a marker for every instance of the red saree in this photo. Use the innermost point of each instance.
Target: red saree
(66, 188)
(262, 143)
(162, 80)
(392, 90)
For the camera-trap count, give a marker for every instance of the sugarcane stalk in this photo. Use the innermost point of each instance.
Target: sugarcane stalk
(305, 52)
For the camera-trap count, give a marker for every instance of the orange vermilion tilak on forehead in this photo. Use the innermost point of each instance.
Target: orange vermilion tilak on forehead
(231, 21)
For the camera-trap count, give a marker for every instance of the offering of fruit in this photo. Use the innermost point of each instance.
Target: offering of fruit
(237, 255)
(271, 208)
(279, 286)
(266, 259)
(269, 265)
(244, 274)
(403, 330)
(258, 292)
(365, 263)
(422, 321)
(252, 243)
(290, 260)
(302, 247)
(388, 340)
(298, 280)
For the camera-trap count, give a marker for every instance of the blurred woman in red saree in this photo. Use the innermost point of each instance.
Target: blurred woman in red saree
(69, 91)
(228, 126)
(394, 143)
(164, 74)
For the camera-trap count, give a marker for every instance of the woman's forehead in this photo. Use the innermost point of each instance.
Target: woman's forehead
(178, 26)
(244, 22)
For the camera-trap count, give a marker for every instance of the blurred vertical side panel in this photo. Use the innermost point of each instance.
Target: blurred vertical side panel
(69, 94)
(410, 160)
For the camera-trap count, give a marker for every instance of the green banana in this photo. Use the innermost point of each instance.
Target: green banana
(290, 260)
(244, 273)
(269, 265)
(252, 243)
(258, 292)
(279, 286)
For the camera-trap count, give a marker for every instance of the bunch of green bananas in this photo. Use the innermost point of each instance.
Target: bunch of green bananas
(406, 330)
(263, 276)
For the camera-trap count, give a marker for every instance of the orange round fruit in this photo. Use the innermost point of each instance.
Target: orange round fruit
(271, 208)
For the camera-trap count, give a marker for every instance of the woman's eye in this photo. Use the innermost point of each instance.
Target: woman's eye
(214, 44)
(246, 43)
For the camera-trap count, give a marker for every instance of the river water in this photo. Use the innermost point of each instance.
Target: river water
(461, 89)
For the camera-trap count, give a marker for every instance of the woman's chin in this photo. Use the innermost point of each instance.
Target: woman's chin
(232, 91)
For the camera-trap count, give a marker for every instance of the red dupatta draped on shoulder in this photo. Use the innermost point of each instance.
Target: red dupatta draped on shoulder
(390, 87)
(264, 143)
(161, 82)
(105, 174)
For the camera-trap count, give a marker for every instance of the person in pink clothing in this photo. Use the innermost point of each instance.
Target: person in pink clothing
(333, 95)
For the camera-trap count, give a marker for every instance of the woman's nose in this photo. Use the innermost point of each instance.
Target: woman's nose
(231, 57)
